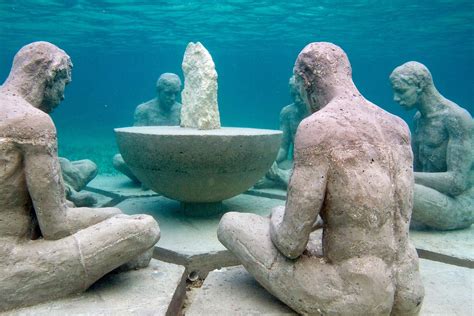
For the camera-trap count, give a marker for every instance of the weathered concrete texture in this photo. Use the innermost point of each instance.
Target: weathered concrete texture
(101, 199)
(192, 241)
(198, 166)
(118, 186)
(156, 290)
(233, 291)
(199, 95)
(449, 289)
(458, 244)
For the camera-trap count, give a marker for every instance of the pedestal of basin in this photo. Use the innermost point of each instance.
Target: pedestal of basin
(198, 166)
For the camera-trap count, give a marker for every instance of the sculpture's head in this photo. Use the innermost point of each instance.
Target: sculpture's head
(167, 87)
(295, 93)
(409, 81)
(320, 70)
(40, 73)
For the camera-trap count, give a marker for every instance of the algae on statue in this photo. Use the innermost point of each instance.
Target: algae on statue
(357, 175)
(47, 249)
(443, 146)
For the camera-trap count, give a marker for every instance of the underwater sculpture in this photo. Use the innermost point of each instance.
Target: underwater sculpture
(357, 175)
(163, 110)
(76, 175)
(443, 151)
(198, 163)
(48, 250)
(290, 117)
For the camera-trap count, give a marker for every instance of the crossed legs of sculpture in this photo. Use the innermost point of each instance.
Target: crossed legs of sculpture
(77, 261)
(359, 286)
(436, 210)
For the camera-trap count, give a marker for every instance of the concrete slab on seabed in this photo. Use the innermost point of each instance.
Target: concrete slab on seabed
(117, 186)
(233, 291)
(454, 247)
(268, 193)
(192, 241)
(158, 289)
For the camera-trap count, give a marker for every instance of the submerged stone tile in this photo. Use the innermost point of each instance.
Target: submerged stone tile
(233, 291)
(117, 186)
(192, 241)
(458, 244)
(268, 193)
(156, 290)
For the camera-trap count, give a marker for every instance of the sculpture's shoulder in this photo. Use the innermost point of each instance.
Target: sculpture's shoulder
(142, 112)
(287, 110)
(457, 119)
(317, 129)
(21, 121)
(145, 107)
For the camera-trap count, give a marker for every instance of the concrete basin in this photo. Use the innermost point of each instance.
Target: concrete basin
(198, 166)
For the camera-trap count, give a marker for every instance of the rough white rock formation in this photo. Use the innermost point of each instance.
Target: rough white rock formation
(199, 96)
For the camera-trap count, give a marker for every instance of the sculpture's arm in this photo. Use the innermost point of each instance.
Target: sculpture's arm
(44, 180)
(140, 117)
(415, 145)
(291, 227)
(286, 138)
(458, 160)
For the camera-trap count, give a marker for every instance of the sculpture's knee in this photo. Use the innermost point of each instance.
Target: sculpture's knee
(227, 229)
(150, 231)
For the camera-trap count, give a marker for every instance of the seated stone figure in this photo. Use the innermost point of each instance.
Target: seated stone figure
(160, 111)
(357, 175)
(442, 148)
(48, 250)
(76, 175)
(290, 117)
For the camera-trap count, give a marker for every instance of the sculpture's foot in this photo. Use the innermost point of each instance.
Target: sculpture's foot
(265, 183)
(82, 199)
(120, 165)
(139, 262)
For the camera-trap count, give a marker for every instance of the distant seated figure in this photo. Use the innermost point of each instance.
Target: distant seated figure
(48, 250)
(77, 174)
(442, 148)
(290, 117)
(160, 111)
(357, 175)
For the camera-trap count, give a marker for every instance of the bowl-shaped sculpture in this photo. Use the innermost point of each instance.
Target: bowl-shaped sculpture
(198, 166)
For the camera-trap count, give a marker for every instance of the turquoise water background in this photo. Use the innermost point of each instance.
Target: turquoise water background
(120, 48)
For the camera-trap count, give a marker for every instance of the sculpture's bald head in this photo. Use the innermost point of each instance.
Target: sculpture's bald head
(319, 69)
(168, 86)
(39, 74)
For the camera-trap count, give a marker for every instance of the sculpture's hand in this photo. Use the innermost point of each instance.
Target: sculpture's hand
(274, 172)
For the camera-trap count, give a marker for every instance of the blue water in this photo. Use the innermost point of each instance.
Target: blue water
(119, 50)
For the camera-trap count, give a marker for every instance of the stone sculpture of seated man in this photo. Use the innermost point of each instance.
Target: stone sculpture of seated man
(290, 117)
(357, 175)
(163, 110)
(442, 148)
(76, 175)
(48, 250)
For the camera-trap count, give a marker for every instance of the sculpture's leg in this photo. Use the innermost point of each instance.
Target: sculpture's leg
(442, 212)
(120, 165)
(309, 285)
(40, 270)
(87, 170)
